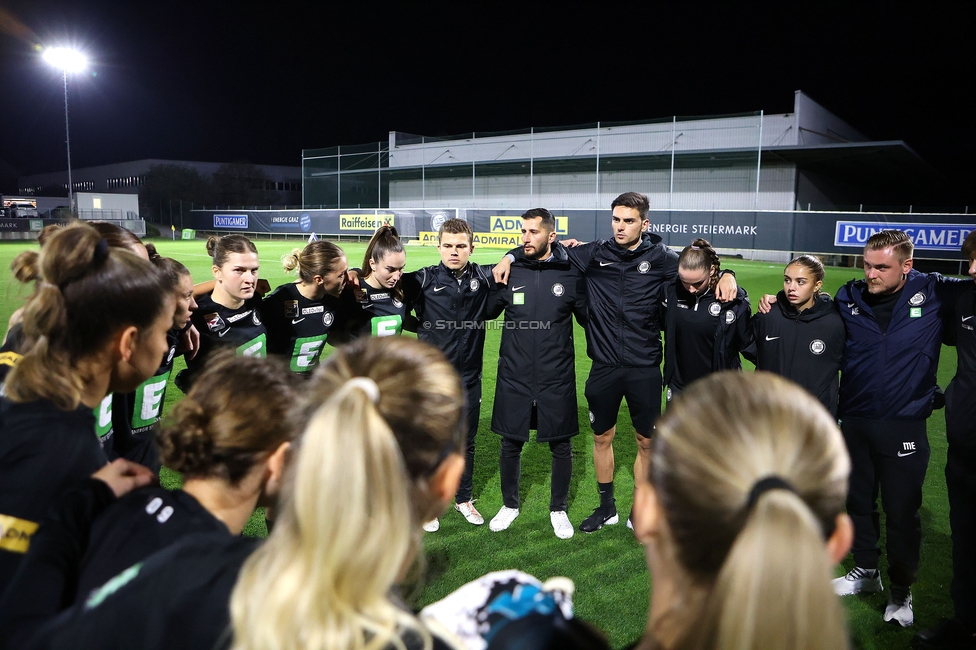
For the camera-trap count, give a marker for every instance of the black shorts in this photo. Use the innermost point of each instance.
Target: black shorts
(608, 385)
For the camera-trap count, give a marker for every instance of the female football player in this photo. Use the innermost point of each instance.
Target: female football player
(96, 323)
(299, 315)
(742, 518)
(701, 334)
(802, 337)
(229, 316)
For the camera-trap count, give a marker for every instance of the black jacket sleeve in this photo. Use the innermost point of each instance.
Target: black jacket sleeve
(496, 301)
(46, 581)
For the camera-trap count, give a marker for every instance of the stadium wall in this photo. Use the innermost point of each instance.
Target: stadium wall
(757, 234)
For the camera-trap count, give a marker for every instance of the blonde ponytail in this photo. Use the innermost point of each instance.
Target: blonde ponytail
(754, 563)
(350, 524)
(773, 590)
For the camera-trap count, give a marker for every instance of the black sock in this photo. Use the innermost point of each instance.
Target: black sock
(606, 495)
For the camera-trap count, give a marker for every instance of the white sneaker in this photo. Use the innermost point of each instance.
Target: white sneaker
(899, 609)
(432, 526)
(858, 580)
(503, 519)
(560, 524)
(470, 512)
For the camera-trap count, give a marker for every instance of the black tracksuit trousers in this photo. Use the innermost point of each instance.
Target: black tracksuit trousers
(562, 472)
(890, 456)
(960, 475)
(472, 416)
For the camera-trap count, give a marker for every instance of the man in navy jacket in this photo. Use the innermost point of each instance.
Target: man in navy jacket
(894, 322)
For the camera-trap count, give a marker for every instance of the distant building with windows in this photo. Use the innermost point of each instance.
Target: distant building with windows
(128, 177)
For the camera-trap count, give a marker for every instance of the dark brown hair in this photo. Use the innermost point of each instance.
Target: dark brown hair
(317, 258)
(634, 200)
(969, 246)
(172, 270)
(219, 429)
(385, 240)
(220, 247)
(548, 221)
(86, 292)
(117, 236)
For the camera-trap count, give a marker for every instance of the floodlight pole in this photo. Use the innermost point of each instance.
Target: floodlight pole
(67, 137)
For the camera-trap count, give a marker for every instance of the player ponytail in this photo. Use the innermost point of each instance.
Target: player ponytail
(386, 415)
(219, 248)
(751, 475)
(86, 292)
(219, 429)
(317, 258)
(700, 256)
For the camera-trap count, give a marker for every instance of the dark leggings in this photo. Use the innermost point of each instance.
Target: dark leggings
(562, 472)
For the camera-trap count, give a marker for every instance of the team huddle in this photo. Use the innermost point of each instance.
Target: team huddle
(384, 438)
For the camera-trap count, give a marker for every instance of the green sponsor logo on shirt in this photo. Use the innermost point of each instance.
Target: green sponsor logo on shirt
(387, 325)
(103, 417)
(915, 312)
(306, 353)
(518, 298)
(149, 401)
(256, 347)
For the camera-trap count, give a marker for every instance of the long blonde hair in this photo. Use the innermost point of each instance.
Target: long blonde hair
(354, 502)
(756, 570)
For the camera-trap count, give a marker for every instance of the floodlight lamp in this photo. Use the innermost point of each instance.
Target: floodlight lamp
(65, 59)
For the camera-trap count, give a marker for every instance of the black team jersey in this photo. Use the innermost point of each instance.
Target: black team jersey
(136, 415)
(240, 329)
(298, 327)
(804, 346)
(42, 451)
(379, 313)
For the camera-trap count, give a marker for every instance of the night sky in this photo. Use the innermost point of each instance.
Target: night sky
(258, 82)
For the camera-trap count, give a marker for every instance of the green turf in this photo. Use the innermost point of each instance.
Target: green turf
(608, 566)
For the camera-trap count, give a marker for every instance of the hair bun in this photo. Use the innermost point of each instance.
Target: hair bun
(184, 445)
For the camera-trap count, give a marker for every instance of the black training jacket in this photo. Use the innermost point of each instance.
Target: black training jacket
(806, 347)
(960, 410)
(176, 599)
(536, 359)
(451, 313)
(731, 327)
(43, 450)
(891, 375)
(624, 289)
(88, 538)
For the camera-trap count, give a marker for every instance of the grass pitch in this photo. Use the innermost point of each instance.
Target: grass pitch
(612, 582)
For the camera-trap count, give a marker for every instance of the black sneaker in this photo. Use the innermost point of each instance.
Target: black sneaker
(947, 635)
(601, 517)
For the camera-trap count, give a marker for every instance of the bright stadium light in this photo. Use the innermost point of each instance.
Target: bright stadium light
(66, 60)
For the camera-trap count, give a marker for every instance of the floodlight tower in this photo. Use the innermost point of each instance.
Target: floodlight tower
(66, 60)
